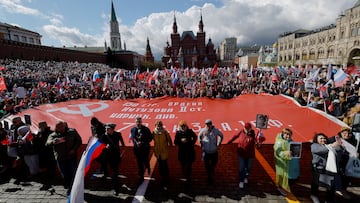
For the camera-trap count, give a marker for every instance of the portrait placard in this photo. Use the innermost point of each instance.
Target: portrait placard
(295, 148)
(262, 121)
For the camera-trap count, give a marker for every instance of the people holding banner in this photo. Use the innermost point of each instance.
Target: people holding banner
(65, 143)
(287, 167)
(111, 154)
(29, 146)
(246, 152)
(319, 152)
(4, 141)
(210, 139)
(47, 160)
(141, 137)
(98, 130)
(162, 141)
(342, 155)
(14, 152)
(185, 139)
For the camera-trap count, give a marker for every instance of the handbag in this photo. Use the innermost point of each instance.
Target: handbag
(352, 168)
(331, 165)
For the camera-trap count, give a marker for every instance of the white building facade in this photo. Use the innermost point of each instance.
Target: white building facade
(337, 43)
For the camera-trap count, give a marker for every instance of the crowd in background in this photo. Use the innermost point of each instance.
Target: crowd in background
(31, 83)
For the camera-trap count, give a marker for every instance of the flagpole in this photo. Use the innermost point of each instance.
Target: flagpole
(308, 99)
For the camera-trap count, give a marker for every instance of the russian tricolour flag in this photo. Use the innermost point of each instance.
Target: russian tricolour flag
(340, 78)
(93, 150)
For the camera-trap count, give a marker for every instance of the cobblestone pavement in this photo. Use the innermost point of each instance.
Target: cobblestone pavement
(260, 188)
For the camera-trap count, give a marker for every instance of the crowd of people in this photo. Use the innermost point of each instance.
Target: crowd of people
(31, 83)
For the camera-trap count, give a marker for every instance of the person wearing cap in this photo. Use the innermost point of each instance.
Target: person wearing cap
(112, 156)
(141, 137)
(210, 139)
(246, 152)
(342, 157)
(162, 142)
(16, 158)
(65, 142)
(185, 139)
(287, 168)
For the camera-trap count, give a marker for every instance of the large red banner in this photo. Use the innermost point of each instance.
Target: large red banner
(227, 115)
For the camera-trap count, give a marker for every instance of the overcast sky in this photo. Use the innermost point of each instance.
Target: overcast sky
(86, 22)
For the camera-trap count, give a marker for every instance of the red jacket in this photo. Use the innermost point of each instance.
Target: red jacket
(246, 144)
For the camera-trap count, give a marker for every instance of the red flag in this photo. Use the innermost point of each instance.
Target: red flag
(214, 70)
(352, 69)
(6, 141)
(28, 137)
(2, 84)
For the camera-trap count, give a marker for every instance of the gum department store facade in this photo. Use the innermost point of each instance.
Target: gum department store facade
(338, 44)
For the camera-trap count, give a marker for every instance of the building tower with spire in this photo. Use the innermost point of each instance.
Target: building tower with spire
(189, 50)
(115, 38)
(148, 55)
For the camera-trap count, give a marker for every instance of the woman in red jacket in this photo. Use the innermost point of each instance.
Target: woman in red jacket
(246, 151)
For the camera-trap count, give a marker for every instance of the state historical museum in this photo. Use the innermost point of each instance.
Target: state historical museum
(189, 50)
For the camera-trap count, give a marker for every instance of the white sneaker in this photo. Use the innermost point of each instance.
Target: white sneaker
(343, 193)
(241, 185)
(246, 181)
(314, 198)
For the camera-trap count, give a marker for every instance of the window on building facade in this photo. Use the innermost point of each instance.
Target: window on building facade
(353, 32)
(312, 54)
(304, 56)
(331, 52)
(16, 38)
(297, 56)
(321, 53)
(23, 39)
(31, 40)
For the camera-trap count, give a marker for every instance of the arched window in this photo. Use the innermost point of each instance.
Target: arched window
(353, 32)
(312, 54)
(321, 53)
(304, 55)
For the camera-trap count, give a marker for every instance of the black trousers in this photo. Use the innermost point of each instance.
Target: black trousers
(210, 160)
(142, 159)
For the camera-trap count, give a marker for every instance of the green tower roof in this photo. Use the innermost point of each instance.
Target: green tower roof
(113, 15)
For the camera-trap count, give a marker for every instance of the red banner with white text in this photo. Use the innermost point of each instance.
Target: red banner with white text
(227, 115)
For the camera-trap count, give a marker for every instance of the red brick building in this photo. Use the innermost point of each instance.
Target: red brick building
(189, 50)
